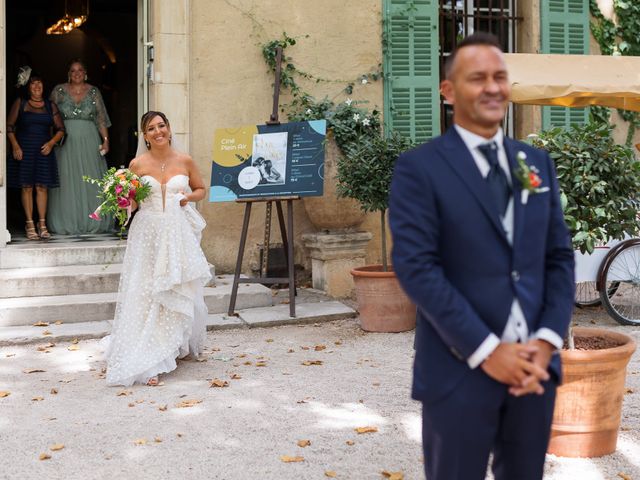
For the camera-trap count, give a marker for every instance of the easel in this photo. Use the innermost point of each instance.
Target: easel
(285, 231)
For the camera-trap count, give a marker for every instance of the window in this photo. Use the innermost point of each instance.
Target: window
(459, 18)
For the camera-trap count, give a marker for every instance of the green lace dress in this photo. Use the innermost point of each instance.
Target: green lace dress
(72, 202)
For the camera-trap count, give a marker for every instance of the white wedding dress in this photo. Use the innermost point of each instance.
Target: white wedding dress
(160, 314)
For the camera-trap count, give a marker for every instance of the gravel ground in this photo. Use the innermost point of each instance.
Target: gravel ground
(242, 431)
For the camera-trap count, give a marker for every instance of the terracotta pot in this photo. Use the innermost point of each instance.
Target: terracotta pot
(329, 212)
(382, 304)
(589, 401)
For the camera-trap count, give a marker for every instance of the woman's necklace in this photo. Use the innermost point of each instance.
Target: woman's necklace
(36, 103)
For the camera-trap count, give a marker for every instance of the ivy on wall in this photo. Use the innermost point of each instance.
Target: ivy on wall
(621, 38)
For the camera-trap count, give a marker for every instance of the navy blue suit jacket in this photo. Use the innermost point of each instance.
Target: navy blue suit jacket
(453, 258)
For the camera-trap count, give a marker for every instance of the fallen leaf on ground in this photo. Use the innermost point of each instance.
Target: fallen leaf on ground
(4, 393)
(261, 364)
(157, 440)
(337, 342)
(54, 391)
(376, 384)
(330, 474)
(162, 408)
(269, 340)
(624, 429)
(58, 322)
(302, 347)
(629, 390)
(350, 442)
(393, 475)
(123, 393)
(288, 459)
(179, 435)
(74, 341)
(140, 441)
(41, 324)
(46, 333)
(291, 350)
(73, 348)
(216, 382)
(188, 403)
(66, 380)
(318, 348)
(201, 359)
(307, 363)
(366, 429)
(44, 456)
(9, 355)
(304, 443)
(56, 447)
(624, 476)
(140, 400)
(131, 405)
(33, 370)
(37, 399)
(235, 376)
(247, 363)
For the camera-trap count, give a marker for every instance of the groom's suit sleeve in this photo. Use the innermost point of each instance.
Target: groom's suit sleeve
(415, 224)
(559, 281)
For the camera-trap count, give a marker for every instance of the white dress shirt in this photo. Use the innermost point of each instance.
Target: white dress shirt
(516, 329)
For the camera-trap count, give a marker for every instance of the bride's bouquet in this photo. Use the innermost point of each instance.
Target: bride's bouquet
(118, 189)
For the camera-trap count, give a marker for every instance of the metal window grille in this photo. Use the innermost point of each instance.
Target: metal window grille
(459, 18)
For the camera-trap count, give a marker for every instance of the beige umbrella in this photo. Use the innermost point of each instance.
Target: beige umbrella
(575, 80)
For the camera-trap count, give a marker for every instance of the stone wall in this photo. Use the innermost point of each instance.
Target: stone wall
(230, 86)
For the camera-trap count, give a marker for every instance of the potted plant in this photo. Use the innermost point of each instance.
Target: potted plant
(599, 191)
(364, 174)
(347, 123)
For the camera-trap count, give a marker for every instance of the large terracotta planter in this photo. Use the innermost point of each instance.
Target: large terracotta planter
(329, 212)
(589, 401)
(382, 304)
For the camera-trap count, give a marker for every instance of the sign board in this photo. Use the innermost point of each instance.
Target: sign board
(261, 161)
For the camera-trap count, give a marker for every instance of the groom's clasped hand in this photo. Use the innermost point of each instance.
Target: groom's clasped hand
(521, 366)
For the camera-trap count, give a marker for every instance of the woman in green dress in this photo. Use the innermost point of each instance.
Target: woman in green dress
(86, 122)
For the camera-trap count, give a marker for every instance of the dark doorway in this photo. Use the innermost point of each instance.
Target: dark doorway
(106, 42)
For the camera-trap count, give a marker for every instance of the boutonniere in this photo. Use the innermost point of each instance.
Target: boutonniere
(529, 178)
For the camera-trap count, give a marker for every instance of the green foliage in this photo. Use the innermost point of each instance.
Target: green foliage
(365, 172)
(622, 38)
(599, 182)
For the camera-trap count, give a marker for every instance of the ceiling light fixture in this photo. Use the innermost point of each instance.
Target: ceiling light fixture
(76, 13)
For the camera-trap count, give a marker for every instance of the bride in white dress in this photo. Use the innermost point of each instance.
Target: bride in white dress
(160, 314)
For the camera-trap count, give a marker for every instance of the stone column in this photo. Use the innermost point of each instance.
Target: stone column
(169, 88)
(333, 255)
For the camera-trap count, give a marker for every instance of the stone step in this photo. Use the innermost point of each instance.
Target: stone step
(306, 313)
(62, 254)
(62, 280)
(21, 311)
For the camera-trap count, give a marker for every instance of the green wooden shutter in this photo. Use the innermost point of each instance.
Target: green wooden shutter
(565, 30)
(411, 68)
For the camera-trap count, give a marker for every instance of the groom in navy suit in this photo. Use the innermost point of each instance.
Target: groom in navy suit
(480, 245)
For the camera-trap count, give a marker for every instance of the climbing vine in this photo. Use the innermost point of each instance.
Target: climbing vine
(621, 38)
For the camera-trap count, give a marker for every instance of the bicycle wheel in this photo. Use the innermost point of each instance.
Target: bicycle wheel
(621, 273)
(587, 294)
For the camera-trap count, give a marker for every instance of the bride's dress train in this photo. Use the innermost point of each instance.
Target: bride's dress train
(160, 314)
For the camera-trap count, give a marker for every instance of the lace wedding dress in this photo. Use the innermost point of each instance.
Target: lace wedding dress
(160, 314)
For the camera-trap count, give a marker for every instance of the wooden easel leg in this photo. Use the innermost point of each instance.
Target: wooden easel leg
(264, 266)
(236, 276)
(283, 235)
(290, 262)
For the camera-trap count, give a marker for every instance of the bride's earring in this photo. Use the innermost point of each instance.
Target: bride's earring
(85, 77)
(170, 137)
(147, 144)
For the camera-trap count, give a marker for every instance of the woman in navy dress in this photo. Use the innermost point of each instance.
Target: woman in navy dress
(34, 126)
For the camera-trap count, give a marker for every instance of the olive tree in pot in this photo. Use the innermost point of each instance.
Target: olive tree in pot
(599, 182)
(364, 174)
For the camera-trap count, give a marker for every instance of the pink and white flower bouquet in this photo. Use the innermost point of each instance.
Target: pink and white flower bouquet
(118, 190)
